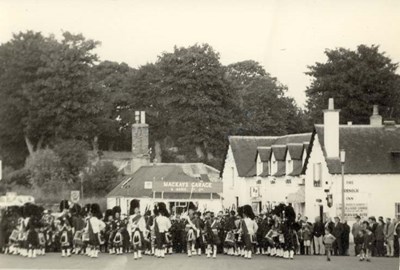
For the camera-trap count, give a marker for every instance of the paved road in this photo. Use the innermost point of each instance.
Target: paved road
(182, 262)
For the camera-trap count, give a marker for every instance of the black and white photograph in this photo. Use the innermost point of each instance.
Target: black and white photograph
(212, 134)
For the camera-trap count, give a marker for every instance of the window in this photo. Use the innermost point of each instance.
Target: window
(317, 174)
(397, 210)
(117, 201)
(288, 181)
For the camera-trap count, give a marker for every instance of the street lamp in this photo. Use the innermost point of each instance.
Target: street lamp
(342, 161)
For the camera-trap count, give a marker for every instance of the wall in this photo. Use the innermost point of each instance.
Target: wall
(269, 193)
(376, 192)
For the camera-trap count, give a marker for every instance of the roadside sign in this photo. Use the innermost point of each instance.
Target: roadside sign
(75, 196)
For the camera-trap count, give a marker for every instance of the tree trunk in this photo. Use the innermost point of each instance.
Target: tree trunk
(111, 146)
(157, 152)
(95, 143)
(199, 152)
(29, 145)
(39, 145)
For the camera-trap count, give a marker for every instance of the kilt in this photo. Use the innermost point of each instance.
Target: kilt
(160, 240)
(32, 239)
(94, 239)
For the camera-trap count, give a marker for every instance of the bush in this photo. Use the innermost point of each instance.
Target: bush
(19, 177)
(100, 179)
(72, 156)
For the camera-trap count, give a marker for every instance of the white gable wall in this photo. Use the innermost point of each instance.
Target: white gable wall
(375, 192)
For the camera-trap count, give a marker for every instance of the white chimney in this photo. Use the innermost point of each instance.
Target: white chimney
(331, 130)
(375, 119)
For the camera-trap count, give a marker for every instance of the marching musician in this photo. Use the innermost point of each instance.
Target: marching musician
(108, 220)
(248, 229)
(162, 224)
(94, 226)
(136, 228)
(116, 234)
(65, 229)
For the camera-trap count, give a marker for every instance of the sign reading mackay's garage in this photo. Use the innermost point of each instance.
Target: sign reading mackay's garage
(187, 187)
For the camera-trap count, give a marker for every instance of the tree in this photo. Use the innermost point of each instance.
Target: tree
(110, 79)
(357, 80)
(45, 83)
(198, 99)
(44, 167)
(72, 156)
(265, 107)
(100, 180)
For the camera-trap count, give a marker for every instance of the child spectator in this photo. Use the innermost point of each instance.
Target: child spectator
(306, 236)
(328, 241)
(359, 242)
(369, 240)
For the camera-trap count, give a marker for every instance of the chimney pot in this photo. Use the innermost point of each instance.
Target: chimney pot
(143, 117)
(137, 117)
(375, 110)
(331, 105)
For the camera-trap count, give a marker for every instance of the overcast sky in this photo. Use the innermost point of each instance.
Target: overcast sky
(284, 36)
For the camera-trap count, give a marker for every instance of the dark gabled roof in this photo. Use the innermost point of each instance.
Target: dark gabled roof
(368, 149)
(264, 152)
(281, 169)
(279, 152)
(296, 150)
(244, 149)
(133, 185)
(297, 167)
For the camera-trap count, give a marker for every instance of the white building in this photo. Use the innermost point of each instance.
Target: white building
(371, 167)
(265, 170)
(304, 169)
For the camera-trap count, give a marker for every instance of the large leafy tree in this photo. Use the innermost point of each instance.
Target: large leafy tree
(45, 90)
(110, 78)
(357, 80)
(198, 97)
(265, 107)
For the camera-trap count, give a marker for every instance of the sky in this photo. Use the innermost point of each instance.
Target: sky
(283, 36)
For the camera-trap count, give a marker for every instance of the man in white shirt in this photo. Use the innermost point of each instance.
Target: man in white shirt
(136, 228)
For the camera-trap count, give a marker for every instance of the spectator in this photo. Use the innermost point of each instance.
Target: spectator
(380, 239)
(369, 241)
(306, 236)
(318, 234)
(337, 233)
(373, 224)
(389, 237)
(396, 236)
(329, 239)
(356, 228)
(359, 242)
(345, 238)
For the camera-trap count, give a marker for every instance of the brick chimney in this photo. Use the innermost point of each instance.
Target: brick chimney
(140, 142)
(331, 130)
(375, 119)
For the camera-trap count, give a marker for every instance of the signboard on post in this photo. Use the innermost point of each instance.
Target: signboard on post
(187, 187)
(355, 204)
(75, 196)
